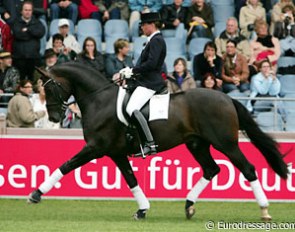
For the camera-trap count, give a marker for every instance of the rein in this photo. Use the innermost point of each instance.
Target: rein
(57, 94)
(64, 103)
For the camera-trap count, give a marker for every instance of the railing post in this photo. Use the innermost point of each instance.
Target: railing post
(2, 124)
(275, 115)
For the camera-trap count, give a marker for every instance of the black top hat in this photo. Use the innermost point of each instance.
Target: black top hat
(49, 53)
(150, 17)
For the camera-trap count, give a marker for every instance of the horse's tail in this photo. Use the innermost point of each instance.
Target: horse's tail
(265, 144)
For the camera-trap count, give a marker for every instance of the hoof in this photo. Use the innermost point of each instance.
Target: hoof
(264, 214)
(140, 214)
(189, 212)
(34, 197)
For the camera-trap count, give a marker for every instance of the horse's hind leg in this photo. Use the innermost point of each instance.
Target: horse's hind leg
(128, 174)
(83, 157)
(200, 149)
(233, 152)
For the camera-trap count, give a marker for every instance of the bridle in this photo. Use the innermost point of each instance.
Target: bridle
(57, 88)
(57, 95)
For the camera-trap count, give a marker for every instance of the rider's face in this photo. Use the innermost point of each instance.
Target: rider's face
(147, 28)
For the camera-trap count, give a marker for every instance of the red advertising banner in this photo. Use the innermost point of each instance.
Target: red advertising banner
(24, 163)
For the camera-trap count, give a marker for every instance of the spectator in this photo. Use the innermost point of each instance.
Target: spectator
(9, 9)
(70, 42)
(200, 19)
(173, 15)
(9, 77)
(208, 62)
(6, 37)
(73, 115)
(20, 111)
(264, 83)
(27, 32)
(209, 81)
(110, 9)
(120, 6)
(180, 79)
(265, 46)
(63, 54)
(142, 6)
(238, 5)
(64, 9)
(38, 101)
(285, 31)
(40, 9)
(50, 60)
(121, 59)
(91, 57)
(277, 14)
(248, 14)
(235, 71)
(232, 32)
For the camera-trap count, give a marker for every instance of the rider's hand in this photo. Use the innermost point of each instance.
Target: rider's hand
(126, 73)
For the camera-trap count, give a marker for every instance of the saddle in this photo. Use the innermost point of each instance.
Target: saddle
(156, 108)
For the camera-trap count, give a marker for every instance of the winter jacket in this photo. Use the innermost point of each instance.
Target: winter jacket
(27, 43)
(20, 112)
(187, 83)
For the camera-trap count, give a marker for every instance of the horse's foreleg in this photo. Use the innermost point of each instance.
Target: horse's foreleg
(83, 157)
(200, 151)
(128, 174)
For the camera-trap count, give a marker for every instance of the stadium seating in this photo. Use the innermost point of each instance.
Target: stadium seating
(138, 44)
(285, 61)
(43, 40)
(269, 121)
(115, 29)
(218, 28)
(53, 27)
(89, 27)
(222, 2)
(222, 12)
(290, 124)
(196, 46)
(287, 84)
(290, 105)
(134, 32)
(237, 94)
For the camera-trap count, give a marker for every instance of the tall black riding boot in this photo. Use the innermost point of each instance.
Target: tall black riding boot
(149, 147)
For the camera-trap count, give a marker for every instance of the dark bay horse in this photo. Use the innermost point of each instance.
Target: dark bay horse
(199, 118)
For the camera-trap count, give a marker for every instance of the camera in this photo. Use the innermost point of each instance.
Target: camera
(250, 27)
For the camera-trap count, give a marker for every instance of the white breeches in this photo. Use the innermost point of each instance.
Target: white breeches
(139, 97)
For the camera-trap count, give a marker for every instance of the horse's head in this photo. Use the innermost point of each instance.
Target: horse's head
(57, 94)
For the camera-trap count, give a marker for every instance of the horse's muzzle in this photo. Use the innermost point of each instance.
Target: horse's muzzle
(54, 118)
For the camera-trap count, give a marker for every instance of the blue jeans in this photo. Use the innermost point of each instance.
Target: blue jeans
(227, 87)
(199, 31)
(71, 12)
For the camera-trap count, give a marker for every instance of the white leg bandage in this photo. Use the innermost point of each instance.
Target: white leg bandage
(51, 181)
(259, 193)
(141, 199)
(193, 195)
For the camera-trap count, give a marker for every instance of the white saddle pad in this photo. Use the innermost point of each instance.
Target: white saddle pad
(159, 106)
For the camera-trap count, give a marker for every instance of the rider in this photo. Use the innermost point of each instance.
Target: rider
(147, 73)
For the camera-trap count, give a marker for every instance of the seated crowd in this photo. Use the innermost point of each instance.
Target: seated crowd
(242, 58)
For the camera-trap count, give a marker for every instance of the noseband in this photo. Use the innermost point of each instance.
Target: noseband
(56, 94)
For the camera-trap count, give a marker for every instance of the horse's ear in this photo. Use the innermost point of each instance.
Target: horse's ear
(45, 76)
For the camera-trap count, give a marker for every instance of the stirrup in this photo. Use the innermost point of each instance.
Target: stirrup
(148, 149)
